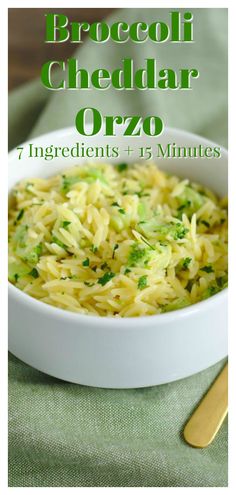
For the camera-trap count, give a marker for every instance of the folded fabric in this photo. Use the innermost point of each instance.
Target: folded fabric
(62, 434)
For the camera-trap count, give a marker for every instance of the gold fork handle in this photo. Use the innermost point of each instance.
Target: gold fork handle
(206, 420)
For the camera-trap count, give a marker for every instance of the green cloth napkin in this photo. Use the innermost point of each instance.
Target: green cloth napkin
(62, 434)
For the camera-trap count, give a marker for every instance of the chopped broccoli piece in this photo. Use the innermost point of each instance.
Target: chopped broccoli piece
(88, 176)
(191, 201)
(137, 254)
(20, 234)
(179, 231)
(34, 254)
(178, 304)
(94, 174)
(16, 270)
(175, 230)
(67, 182)
(142, 282)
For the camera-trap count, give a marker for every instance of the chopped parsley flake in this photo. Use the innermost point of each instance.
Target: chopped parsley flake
(34, 273)
(142, 282)
(127, 270)
(207, 269)
(20, 215)
(86, 262)
(121, 167)
(122, 211)
(115, 204)
(106, 278)
(141, 194)
(186, 263)
(65, 224)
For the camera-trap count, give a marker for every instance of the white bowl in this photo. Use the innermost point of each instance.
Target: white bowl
(124, 352)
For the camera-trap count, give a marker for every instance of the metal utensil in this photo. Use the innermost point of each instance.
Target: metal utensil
(206, 420)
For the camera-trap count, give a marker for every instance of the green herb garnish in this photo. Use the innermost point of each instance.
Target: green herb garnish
(127, 270)
(65, 224)
(121, 167)
(122, 211)
(207, 269)
(20, 215)
(186, 263)
(106, 278)
(86, 262)
(34, 273)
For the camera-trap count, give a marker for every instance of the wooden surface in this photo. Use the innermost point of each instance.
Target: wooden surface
(27, 50)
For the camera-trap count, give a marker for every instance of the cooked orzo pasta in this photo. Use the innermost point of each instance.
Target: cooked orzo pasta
(117, 240)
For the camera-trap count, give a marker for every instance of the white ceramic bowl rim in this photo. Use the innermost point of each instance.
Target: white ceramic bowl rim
(207, 304)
